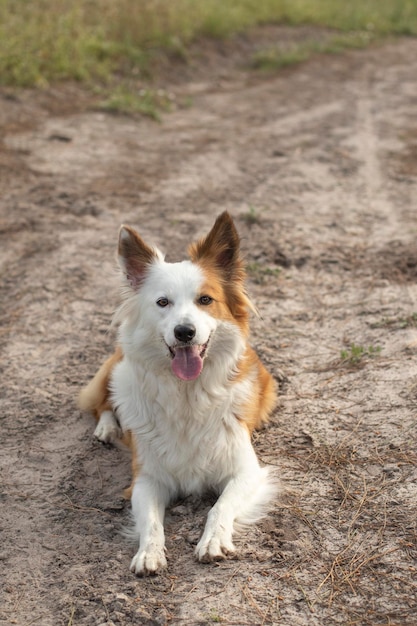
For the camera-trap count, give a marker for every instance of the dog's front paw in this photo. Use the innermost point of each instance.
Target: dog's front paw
(214, 548)
(107, 429)
(148, 562)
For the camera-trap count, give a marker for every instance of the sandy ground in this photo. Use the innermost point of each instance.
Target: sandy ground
(318, 165)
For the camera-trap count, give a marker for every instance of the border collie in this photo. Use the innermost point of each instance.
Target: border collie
(185, 391)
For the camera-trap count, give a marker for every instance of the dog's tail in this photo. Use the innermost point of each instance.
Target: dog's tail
(259, 501)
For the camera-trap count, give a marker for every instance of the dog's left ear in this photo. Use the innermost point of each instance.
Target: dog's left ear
(221, 247)
(135, 256)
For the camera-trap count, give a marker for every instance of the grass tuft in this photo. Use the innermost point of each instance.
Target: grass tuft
(355, 355)
(276, 58)
(148, 102)
(252, 216)
(261, 273)
(397, 323)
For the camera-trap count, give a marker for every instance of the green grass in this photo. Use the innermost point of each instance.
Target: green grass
(42, 41)
(260, 273)
(397, 323)
(356, 354)
(127, 99)
(214, 617)
(252, 216)
(275, 58)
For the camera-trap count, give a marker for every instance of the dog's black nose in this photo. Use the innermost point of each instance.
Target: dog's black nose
(184, 333)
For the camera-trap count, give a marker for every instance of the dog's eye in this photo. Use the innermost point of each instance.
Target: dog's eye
(162, 302)
(205, 300)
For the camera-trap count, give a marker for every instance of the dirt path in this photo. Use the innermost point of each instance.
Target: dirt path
(319, 167)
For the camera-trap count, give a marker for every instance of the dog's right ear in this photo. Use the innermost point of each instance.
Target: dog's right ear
(135, 256)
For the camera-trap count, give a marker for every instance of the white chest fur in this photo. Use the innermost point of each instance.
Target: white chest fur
(187, 436)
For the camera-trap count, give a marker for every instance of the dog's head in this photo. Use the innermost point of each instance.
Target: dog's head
(189, 311)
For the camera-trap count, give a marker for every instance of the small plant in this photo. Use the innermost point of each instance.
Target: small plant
(260, 273)
(397, 323)
(215, 617)
(144, 101)
(354, 355)
(276, 58)
(252, 216)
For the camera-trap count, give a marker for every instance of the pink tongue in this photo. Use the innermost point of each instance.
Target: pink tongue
(187, 362)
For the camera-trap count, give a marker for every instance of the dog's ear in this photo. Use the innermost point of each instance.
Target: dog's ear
(221, 247)
(135, 256)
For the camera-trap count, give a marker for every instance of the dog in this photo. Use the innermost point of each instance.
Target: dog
(185, 391)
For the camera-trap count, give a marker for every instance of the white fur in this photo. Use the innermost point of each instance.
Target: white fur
(187, 435)
(107, 429)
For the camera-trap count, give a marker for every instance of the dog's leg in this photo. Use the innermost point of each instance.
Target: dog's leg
(149, 500)
(216, 542)
(107, 429)
(244, 500)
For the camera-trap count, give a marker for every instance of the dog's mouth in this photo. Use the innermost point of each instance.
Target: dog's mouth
(187, 360)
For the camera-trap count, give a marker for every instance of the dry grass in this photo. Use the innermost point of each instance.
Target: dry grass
(365, 529)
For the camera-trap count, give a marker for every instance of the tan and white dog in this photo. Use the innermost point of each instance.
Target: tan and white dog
(187, 390)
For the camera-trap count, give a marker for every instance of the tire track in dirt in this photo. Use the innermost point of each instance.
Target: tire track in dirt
(368, 149)
(288, 124)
